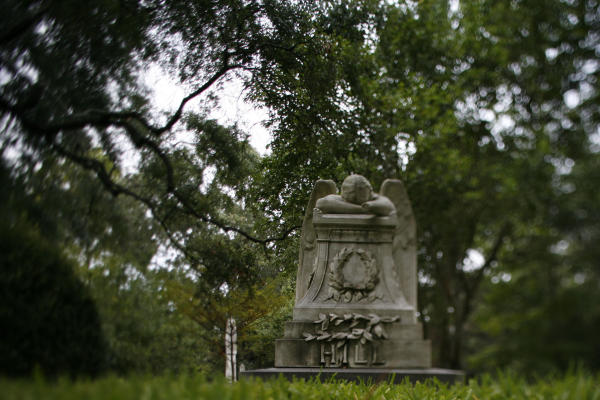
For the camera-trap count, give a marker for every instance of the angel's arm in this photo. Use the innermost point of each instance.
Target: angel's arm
(380, 205)
(334, 204)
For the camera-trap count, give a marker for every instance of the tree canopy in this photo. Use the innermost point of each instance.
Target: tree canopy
(488, 111)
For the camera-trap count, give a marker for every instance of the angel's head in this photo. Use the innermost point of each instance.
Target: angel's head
(356, 189)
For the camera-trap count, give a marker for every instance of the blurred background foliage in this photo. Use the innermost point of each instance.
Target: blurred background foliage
(131, 234)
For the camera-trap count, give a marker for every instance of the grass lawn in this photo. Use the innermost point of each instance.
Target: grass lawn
(573, 386)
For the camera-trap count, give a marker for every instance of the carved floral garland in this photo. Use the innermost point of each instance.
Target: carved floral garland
(372, 330)
(340, 289)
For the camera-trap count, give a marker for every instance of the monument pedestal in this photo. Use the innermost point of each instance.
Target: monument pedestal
(403, 347)
(354, 312)
(356, 292)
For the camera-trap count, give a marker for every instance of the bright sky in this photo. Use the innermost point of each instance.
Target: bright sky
(232, 107)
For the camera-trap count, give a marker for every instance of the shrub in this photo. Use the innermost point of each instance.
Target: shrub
(47, 316)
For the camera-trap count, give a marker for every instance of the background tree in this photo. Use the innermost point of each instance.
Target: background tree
(71, 95)
(488, 112)
(48, 315)
(473, 107)
(50, 319)
(544, 301)
(104, 246)
(144, 330)
(72, 83)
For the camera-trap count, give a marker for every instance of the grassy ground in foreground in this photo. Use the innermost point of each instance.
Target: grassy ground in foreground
(574, 386)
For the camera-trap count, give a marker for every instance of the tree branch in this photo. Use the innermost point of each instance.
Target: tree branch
(175, 117)
(20, 27)
(471, 287)
(139, 131)
(116, 189)
(492, 256)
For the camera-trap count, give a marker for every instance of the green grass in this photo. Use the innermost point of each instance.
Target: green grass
(573, 386)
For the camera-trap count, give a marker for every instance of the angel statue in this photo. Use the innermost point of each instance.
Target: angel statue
(357, 198)
(357, 274)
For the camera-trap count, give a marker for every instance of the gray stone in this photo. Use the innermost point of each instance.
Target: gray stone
(357, 198)
(390, 353)
(357, 282)
(366, 375)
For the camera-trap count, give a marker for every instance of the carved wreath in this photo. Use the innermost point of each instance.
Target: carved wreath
(342, 290)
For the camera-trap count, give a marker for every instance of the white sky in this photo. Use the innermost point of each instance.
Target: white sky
(232, 107)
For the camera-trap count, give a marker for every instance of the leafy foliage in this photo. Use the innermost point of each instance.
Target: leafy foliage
(248, 305)
(49, 319)
(545, 301)
(72, 85)
(487, 110)
(145, 332)
(468, 106)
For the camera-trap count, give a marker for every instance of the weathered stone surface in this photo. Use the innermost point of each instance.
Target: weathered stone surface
(354, 269)
(357, 198)
(356, 289)
(296, 329)
(366, 375)
(388, 353)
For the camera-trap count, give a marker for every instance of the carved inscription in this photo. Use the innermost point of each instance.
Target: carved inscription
(335, 334)
(333, 355)
(368, 354)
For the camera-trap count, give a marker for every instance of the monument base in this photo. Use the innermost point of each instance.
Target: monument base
(367, 375)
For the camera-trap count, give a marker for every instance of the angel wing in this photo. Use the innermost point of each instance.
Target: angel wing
(405, 243)
(307, 243)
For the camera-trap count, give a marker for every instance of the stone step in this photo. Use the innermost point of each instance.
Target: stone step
(360, 375)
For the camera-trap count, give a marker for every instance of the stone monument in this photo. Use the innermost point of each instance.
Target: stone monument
(356, 288)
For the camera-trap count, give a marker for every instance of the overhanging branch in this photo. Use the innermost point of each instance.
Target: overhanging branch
(144, 136)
